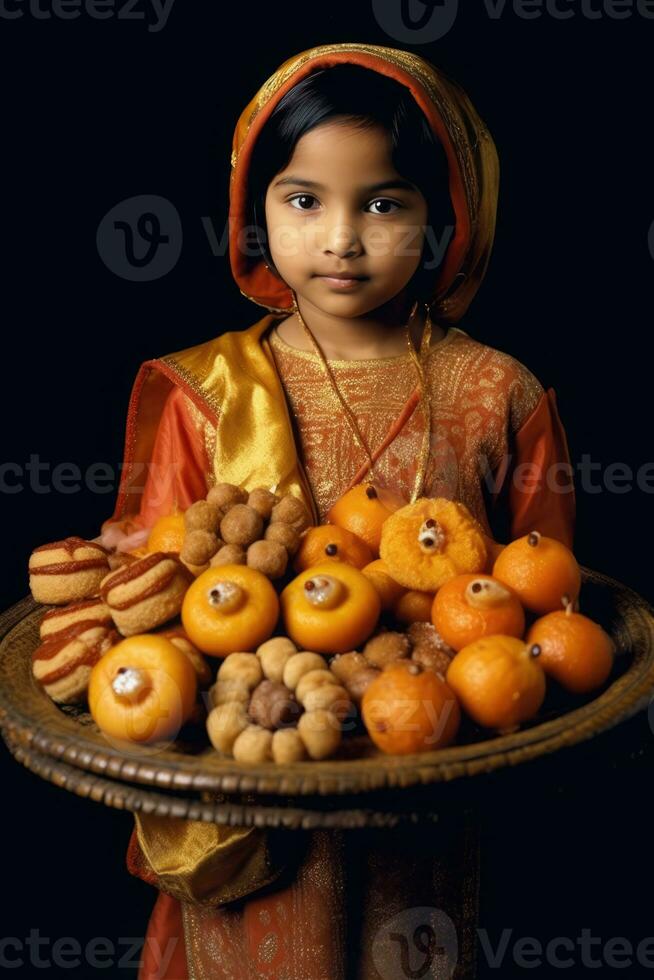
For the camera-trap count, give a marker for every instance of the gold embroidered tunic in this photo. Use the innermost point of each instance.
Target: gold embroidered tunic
(478, 396)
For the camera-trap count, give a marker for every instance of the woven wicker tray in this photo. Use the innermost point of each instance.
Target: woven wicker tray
(66, 747)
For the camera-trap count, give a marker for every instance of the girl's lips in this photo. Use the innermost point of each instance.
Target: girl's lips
(341, 283)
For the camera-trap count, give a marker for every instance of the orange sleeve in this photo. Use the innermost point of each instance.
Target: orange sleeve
(534, 483)
(178, 469)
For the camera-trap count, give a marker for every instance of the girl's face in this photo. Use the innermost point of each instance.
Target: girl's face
(340, 208)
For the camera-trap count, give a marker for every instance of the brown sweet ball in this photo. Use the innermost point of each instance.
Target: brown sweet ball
(146, 594)
(225, 495)
(291, 510)
(386, 647)
(229, 554)
(202, 516)
(253, 745)
(241, 525)
(313, 679)
(273, 655)
(330, 697)
(222, 692)
(225, 722)
(263, 501)
(67, 570)
(287, 746)
(429, 648)
(199, 546)
(284, 534)
(273, 706)
(267, 557)
(320, 731)
(359, 683)
(346, 665)
(299, 664)
(244, 668)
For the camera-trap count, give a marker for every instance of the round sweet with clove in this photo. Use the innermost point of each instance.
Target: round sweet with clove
(273, 706)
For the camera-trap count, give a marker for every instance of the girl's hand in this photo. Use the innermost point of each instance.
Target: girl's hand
(114, 538)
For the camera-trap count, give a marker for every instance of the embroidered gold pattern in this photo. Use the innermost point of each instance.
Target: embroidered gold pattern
(479, 396)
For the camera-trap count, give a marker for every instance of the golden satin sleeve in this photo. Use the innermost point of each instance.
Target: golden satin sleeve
(205, 863)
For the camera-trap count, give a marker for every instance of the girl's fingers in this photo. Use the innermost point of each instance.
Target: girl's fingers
(134, 540)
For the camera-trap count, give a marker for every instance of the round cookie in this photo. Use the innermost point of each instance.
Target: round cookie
(93, 612)
(68, 570)
(62, 665)
(147, 593)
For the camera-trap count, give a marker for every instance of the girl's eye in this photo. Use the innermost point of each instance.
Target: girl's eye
(386, 204)
(299, 202)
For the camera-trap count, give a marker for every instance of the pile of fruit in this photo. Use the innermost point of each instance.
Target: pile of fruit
(278, 638)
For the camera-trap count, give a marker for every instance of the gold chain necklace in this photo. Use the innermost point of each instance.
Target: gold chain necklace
(418, 361)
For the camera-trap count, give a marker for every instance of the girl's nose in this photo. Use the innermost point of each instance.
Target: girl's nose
(343, 240)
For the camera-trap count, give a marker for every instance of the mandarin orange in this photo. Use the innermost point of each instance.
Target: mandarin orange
(326, 542)
(470, 606)
(408, 708)
(363, 510)
(498, 681)
(575, 650)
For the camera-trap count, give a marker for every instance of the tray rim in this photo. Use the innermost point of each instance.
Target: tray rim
(341, 777)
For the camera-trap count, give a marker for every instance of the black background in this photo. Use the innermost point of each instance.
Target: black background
(98, 111)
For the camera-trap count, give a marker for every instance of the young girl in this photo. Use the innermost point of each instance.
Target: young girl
(362, 212)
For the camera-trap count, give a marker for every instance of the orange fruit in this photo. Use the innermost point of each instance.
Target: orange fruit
(414, 606)
(142, 690)
(498, 681)
(540, 571)
(363, 510)
(327, 542)
(330, 608)
(575, 650)
(470, 606)
(167, 534)
(410, 709)
(427, 543)
(230, 608)
(389, 590)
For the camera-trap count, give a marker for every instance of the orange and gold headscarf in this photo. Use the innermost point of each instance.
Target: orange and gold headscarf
(471, 155)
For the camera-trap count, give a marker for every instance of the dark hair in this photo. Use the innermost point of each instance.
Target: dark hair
(368, 99)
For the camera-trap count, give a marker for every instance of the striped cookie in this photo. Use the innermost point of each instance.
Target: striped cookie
(62, 666)
(68, 570)
(147, 593)
(93, 612)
